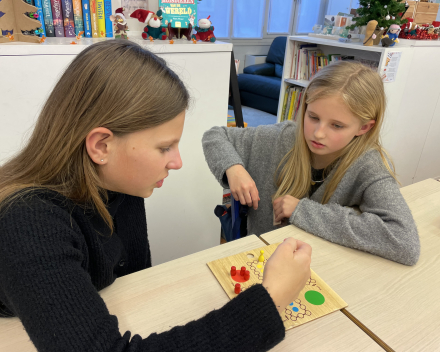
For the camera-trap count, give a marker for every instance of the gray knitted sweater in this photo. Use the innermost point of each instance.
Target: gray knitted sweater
(385, 226)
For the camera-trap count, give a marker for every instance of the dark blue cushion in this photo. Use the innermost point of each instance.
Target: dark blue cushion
(277, 50)
(268, 86)
(278, 70)
(265, 69)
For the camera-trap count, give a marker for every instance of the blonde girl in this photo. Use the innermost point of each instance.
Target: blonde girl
(72, 215)
(315, 172)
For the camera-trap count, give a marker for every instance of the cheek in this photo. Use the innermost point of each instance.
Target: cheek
(308, 127)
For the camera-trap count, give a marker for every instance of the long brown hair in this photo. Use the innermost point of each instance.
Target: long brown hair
(362, 91)
(114, 84)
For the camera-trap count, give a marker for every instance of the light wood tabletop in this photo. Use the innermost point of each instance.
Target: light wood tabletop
(176, 292)
(398, 303)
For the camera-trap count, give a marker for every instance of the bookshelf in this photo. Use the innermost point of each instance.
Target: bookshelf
(412, 119)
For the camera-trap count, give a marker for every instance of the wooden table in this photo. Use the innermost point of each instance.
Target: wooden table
(182, 290)
(400, 304)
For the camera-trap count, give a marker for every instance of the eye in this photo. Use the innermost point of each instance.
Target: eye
(164, 150)
(338, 127)
(313, 118)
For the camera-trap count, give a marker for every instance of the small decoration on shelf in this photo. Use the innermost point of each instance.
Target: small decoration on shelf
(154, 26)
(119, 24)
(171, 41)
(72, 42)
(205, 31)
(369, 35)
(18, 22)
(79, 35)
(391, 38)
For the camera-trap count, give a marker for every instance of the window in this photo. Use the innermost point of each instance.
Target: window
(311, 12)
(280, 13)
(243, 19)
(220, 12)
(248, 18)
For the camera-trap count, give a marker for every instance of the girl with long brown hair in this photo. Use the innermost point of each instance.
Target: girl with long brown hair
(72, 215)
(315, 172)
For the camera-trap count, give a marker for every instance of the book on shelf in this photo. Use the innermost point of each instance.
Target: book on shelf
(69, 24)
(77, 16)
(39, 7)
(48, 20)
(94, 18)
(57, 16)
(101, 17)
(87, 19)
(291, 104)
(108, 22)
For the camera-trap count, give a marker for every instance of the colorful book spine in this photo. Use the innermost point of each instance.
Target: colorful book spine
(87, 20)
(48, 21)
(69, 24)
(94, 18)
(57, 16)
(39, 7)
(77, 16)
(108, 22)
(101, 17)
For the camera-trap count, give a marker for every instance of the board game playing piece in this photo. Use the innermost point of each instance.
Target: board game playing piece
(315, 300)
(261, 258)
(233, 270)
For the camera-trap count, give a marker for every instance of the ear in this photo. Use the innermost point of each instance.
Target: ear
(365, 128)
(97, 144)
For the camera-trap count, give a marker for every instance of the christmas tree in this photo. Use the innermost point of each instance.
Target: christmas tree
(13, 20)
(385, 12)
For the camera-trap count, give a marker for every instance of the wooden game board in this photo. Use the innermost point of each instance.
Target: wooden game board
(314, 301)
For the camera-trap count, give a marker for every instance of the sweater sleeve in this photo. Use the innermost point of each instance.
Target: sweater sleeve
(43, 281)
(228, 146)
(385, 226)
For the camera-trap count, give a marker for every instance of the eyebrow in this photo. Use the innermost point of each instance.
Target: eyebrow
(335, 121)
(169, 142)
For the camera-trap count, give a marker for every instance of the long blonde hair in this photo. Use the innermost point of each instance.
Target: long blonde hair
(114, 84)
(362, 91)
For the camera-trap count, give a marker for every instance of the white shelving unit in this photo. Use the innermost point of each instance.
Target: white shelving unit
(412, 120)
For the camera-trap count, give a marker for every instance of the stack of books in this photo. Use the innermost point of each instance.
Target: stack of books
(68, 18)
(291, 103)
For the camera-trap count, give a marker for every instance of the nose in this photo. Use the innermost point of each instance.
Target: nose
(319, 131)
(176, 161)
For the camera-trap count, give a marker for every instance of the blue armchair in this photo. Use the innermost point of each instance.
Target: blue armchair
(260, 84)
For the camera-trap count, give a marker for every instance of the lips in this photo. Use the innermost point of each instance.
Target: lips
(317, 145)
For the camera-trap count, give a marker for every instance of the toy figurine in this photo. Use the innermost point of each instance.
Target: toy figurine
(205, 31)
(391, 38)
(369, 34)
(119, 24)
(154, 27)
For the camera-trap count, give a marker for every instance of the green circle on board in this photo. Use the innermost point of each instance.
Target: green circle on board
(314, 297)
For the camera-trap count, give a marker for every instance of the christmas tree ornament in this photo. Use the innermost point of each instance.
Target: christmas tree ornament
(387, 17)
(385, 6)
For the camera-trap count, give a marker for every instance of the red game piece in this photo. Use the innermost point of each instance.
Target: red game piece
(237, 288)
(233, 271)
(246, 275)
(242, 271)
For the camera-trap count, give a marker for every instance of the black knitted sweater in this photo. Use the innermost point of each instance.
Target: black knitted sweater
(54, 258)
